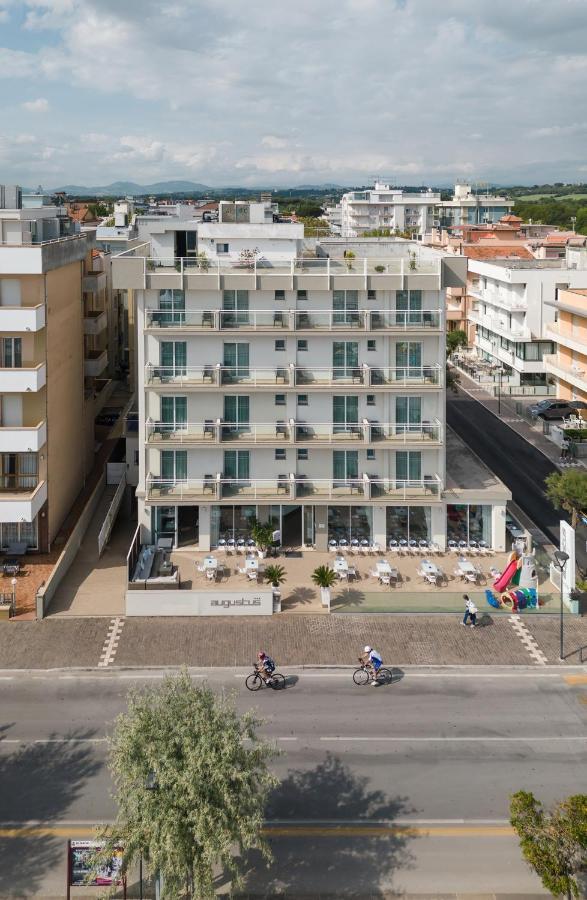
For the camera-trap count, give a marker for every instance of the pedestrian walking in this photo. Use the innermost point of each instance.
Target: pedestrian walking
(470, 612)
(565, 447)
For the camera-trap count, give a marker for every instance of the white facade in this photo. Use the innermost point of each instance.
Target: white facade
(511, 309)
(309, 391)
(385, 207)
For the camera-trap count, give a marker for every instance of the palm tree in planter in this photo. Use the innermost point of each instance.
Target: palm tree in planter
(262, 534)
(274, 575)
(325, 578)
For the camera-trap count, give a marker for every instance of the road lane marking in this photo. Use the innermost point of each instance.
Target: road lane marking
(67, 741)
(327, 830)
(575, 679)
(446, 739)
(111, 642)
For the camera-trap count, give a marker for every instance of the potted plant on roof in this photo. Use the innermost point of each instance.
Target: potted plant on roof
(203, 261)
(324, 577)
(262, 534)
(349, 255)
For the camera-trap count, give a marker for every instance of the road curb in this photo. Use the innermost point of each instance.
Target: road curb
(485, 670)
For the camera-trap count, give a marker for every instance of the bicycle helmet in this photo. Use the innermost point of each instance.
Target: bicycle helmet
(367, 649)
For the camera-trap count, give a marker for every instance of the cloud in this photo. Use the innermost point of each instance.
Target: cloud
(40, 105)
(410, 88)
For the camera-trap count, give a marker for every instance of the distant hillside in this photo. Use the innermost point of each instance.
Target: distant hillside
(124, 188)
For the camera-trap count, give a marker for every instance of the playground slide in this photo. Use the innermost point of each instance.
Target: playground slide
(506, 576)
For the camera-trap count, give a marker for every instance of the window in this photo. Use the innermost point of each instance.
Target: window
(280, 399)
(303, 454)
(11, 353)
(18, 472)
(371, 454)
(345, 465)
(302, 345)
(221, 249)
(280, 344)
(350, 522)
(302, 399)
(237, 464)
(409, 523)
(172, 358)
(371, 345)
(235, 308)
(172, 308)
(280, 454)
(174, 466)
(371, 295)
(370, 399)
(302, 295)
(279, 295)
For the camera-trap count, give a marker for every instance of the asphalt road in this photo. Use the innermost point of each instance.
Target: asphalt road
(438, 752)
(519, 465)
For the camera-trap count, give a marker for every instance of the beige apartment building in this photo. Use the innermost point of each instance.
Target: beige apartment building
(568, 365)
(52, 357)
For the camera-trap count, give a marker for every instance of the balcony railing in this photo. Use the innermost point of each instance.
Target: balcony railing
(15, 484)
(293, 432)
(295, 320)
(294, 376)
(219, 487)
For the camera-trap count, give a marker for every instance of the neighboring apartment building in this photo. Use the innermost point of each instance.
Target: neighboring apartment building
(511, 309)
(307, 390)
(420, 212)
(385, 207)
(46, 381)
(568, 364)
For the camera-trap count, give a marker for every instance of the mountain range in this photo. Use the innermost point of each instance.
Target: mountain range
(130, 188)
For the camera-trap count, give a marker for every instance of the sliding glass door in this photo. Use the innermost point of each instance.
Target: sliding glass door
(174, 413)
(345, 358)
(235, 308)
(236, 360)
(345, 413)
(173, 358)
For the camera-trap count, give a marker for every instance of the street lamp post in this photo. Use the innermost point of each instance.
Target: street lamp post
(561, 559)
(499, 373)
(151, 784)
(13, 583)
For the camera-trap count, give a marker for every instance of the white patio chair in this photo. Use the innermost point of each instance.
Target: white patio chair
(211, 574)
(252, 574)
(343, 574)
(241, 570)
(385, 579)
(201, 568)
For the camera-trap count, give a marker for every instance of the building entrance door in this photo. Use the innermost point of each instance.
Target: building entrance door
(187, 526)
(291, 526)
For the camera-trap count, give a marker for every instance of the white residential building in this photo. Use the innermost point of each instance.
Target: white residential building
(385, 207)
(306, 390)
(511, 306)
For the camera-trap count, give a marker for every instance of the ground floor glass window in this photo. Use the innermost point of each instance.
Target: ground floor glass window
(468, 523)
(410, 523)
(231, 522)
(350, 522)
(23, 532)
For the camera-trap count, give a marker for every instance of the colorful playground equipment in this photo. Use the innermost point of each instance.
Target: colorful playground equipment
(517, 586)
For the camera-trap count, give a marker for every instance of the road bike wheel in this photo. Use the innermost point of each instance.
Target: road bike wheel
(385, 676)
(253, 682)
(360, 676)
(277, 681)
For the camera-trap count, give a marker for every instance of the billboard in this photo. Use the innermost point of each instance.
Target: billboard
(80, 860)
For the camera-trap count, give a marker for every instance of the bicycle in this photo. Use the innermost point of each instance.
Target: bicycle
(362, 675)
(255, 681)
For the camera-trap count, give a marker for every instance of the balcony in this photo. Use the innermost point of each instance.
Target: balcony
(494, 298)
(95, 322)
(574, 374)
(292, 432)
(392, 321)
(131, 270)
(23, 380)
(291, 377)
(94, 282)
(499, 326)
(22, 318)
(17, 439)
(572, 342)
(218, 488)
(95, 363)
(21, 498)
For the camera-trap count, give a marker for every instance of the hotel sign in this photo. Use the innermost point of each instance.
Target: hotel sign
(199, 603)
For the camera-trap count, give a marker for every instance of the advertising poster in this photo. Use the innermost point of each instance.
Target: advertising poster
(80, 855)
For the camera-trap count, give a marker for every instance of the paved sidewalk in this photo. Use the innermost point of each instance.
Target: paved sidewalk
(296, 640)
(509, 416)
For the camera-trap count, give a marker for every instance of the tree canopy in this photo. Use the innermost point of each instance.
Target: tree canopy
(454, 340)
(191, 783)
(568, 490)
(554, 844)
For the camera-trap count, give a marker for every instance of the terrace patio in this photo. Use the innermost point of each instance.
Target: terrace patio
(363, 592)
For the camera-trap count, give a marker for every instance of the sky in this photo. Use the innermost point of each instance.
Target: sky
(264, 92)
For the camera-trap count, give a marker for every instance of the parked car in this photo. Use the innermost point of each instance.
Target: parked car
(551, 409)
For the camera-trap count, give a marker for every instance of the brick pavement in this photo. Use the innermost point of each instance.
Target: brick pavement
(296, 640)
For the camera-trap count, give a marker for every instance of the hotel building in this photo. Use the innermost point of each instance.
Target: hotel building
(303, 388)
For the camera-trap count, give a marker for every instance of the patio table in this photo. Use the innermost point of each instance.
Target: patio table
(210, 562)
(429, 568)
(251, 564)
(466, 567)
(383, 567)
(340, 565)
